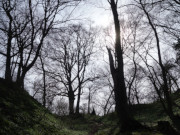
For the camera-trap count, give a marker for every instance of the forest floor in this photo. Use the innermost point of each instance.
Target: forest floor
(20, 114)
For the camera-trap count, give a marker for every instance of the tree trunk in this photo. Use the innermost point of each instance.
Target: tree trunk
(71, 102)
(78, 100)
(44, 81)
(137, 97)
(8, 53)
(20, 64)
(8, 65)
(105, 107)
(133, 79)
(44, 88)
(20, 81)
(118, 73)
(89, 101)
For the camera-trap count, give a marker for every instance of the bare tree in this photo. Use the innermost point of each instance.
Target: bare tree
(61, 107)
(72, 54)
(8, 9)
(117, 71)
(164, 85)
(27, 29)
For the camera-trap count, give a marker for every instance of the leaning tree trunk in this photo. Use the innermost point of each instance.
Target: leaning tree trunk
(78, 100)
(117, 71)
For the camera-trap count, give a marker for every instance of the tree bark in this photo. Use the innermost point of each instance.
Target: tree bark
(78, 101)
(105, 107)
(8, 62)
(89, 101)
(20, 63)
(9, 45)
(44, 81)
(71, 97)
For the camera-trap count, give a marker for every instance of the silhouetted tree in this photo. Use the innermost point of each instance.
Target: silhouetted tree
(25, 32)
(165, 87)
(72, 53)
(177, 48)
(117, 71)
(93, 112)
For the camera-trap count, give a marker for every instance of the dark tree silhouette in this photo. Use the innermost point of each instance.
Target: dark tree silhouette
(73, 54)
(25, 29)
(117, 71)
(169, 109)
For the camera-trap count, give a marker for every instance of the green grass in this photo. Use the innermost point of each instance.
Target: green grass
(20, 114)
(147, 114)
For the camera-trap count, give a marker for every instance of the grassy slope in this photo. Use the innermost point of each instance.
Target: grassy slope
(20, 114)
(151, 113)
(147, 114)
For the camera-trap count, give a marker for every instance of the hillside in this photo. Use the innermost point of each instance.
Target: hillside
(20, 114)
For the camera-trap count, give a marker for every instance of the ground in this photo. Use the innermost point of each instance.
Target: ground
(20, 114)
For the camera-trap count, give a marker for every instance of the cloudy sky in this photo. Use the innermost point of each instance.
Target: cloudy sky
(97, 11)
